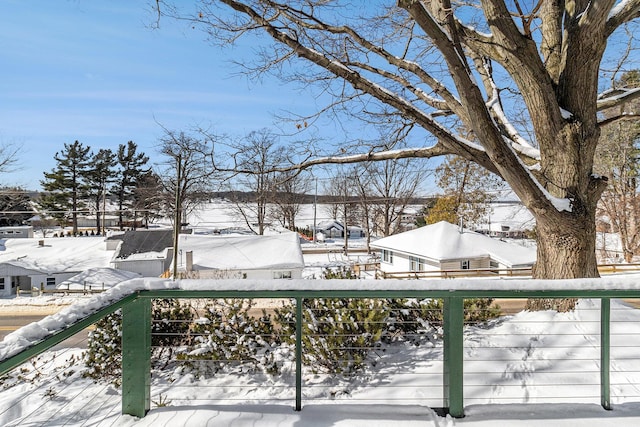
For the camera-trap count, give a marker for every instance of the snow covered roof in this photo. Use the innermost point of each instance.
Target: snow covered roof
(235, 252)
(444, 241)
(57, 254)
(101, 276)
(326, 225)
(143, 241)
(511, 214)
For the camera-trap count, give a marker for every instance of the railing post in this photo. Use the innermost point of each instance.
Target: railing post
(605, 354)
(453, 324)
(136, 357)
(298, 353)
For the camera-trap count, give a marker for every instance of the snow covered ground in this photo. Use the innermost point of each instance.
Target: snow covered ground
(512, 366)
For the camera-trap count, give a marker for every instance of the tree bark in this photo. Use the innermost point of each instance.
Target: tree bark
(566, 248)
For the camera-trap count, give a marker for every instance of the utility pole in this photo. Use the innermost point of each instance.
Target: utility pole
(315, 210)
(104, 208)
(176, 218)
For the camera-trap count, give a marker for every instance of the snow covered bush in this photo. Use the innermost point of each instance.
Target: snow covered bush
(416, 319)
(413, 320)
(103, 357)
(171, 321)
(338, 334)
(228, 337)
(339, 272)
(169, 329)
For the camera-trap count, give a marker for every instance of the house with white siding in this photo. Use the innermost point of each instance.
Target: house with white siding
(146, 252)
(205, 256)
(444, 246)
(27, 263)
(16, 232)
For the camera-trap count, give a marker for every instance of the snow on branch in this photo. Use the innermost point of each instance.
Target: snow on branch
(624, 11)
(520, 144)
(438, 104)
(361, 83)
(403, 153)
(309, 22)
(615, 97)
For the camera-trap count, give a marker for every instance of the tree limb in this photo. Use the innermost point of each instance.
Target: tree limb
(618, 118)
(452, 102)
(614, 97)
(623, 12)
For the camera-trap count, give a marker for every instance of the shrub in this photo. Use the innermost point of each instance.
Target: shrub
(338, 334)
(413, 320)
(103, 357)
(170, 326)
(476, 310)
(341, 272)
(228, 336)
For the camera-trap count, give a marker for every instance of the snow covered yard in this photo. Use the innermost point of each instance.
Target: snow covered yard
(510, 364)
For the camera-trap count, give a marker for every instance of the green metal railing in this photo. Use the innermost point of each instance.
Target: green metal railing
(136, 336)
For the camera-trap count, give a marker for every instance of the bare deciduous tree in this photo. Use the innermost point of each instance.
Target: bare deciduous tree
(9, 157)
(290, 193)
(253, 160)
(187, 170)
(346, 201)
(442, 66)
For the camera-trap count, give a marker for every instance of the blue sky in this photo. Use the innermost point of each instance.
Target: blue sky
(96, 71)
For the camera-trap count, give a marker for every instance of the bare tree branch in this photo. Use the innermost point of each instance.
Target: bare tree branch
(539, 62)
(9, 157)
(618, 118)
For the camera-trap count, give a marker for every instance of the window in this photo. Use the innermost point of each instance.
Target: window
(1, 283)
(282, 274)
(465, 264)
(51, 281)
(416, 264)
(387, 256)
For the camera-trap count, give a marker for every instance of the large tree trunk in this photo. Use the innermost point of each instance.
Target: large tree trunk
(567, 248)
(566, 239)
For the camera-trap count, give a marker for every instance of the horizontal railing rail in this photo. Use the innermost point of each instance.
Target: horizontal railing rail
(452, 274)
(491, 272)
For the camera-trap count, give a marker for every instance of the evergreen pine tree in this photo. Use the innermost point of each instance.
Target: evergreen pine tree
(99, 177)
(132, 168)
(66, 183)
(148, 196)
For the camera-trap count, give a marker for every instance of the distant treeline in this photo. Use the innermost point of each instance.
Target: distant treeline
(250, 197)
